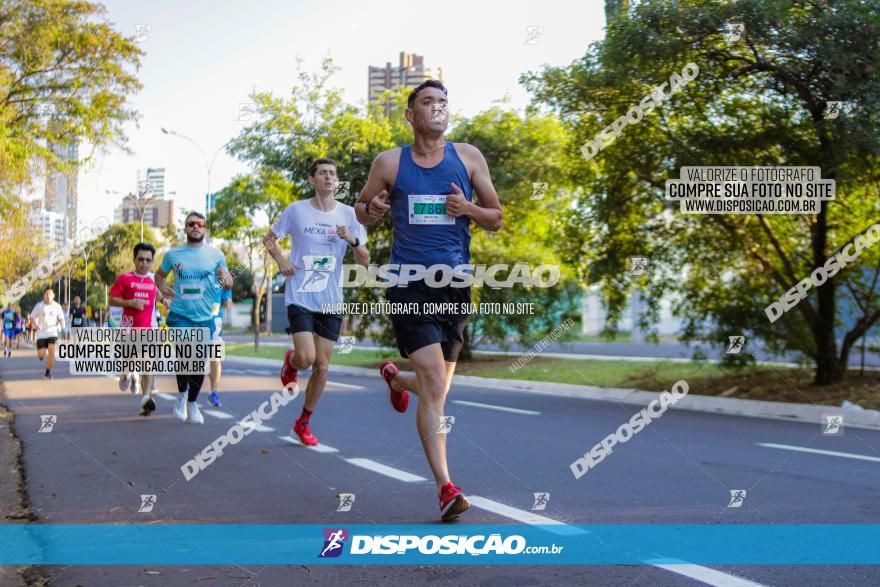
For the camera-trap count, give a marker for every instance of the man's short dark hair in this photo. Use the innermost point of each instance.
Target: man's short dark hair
(144, 247)
(50, 288)
(191, 214)
(322, 161)
(431, 83)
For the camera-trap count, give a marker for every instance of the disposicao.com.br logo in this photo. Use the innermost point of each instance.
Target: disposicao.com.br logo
(457, 544)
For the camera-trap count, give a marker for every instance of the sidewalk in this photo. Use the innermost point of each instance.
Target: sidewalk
(793, 412)
(672, 352)
(13, 506)
(575, 356)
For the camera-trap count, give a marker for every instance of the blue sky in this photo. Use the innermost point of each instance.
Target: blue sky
(203, 58)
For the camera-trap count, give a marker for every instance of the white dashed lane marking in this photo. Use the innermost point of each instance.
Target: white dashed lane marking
(818, 451)
(496, 408)
(319, 448)
(702, 574)
(386, 470)
(523, 516)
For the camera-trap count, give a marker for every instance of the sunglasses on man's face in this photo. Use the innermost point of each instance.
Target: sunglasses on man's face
(144, 259)
(195, 223)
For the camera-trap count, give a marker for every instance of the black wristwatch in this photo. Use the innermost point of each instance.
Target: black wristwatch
(357, 243)
(367, 207)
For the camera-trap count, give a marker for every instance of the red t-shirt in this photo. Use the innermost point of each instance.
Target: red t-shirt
(131, 286)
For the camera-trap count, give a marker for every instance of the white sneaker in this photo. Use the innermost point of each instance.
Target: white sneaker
(135, 383)
(194, 414)
(124, 382)
(180, 407)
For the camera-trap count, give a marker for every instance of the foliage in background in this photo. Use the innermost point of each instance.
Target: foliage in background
(65, 76)
(759, 101)
(112, 253)
(522, 150)
(245, 209)
(242, 288)
(315, 121)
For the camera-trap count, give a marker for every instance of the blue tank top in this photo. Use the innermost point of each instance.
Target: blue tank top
(423, 233)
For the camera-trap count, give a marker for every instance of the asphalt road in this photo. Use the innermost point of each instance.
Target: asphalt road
(101, 456)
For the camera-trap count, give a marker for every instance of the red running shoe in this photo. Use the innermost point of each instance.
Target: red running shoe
(399, 399)
(302, 430)
(452, 502)
(288, 373)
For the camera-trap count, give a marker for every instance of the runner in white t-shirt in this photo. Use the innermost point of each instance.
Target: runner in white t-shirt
(321, 230)
(48, 316)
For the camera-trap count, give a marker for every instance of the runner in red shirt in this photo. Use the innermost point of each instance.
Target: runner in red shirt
(136, 293)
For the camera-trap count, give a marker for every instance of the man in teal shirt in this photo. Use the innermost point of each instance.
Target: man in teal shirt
(196, 266)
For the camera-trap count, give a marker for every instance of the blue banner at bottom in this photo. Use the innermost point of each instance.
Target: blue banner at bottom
(259, 544)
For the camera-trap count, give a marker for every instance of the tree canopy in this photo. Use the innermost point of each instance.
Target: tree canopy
(756, 101)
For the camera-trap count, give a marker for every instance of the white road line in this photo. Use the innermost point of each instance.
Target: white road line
(831, 453)
(497, 408)
(318, 448)
(218, 414)
(166, 396)
(386, 470)
(347, 386)
(703, 574)
(708, 576)
(523, 516)
(257, 372)
(260, 428)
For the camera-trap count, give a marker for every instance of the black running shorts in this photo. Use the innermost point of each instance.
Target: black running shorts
(304, 320)
(43, 343)
(415, 331)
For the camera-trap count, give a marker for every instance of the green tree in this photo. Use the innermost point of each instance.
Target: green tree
(65, 76)
(240, 207)
(112, 253)
(759, 101)
(170, 235)
(510, 142)
(314, 121)
(20, 245)
(243, 287)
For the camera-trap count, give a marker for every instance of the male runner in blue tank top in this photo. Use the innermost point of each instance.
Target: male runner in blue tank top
(432, 184)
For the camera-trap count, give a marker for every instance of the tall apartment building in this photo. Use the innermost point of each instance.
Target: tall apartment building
(51, 226)
(154, 177)
(61, 194)
(410, 72)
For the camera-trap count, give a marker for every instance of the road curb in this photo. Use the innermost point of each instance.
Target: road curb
(754, 408)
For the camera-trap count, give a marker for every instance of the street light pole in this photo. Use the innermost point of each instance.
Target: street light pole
(86, 254)
(209, 166)
(143, 200)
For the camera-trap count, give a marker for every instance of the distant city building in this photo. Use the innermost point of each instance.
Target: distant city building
(158, 212)
(410, 72)
(154, 178)
(61, 195)
(51, 226)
